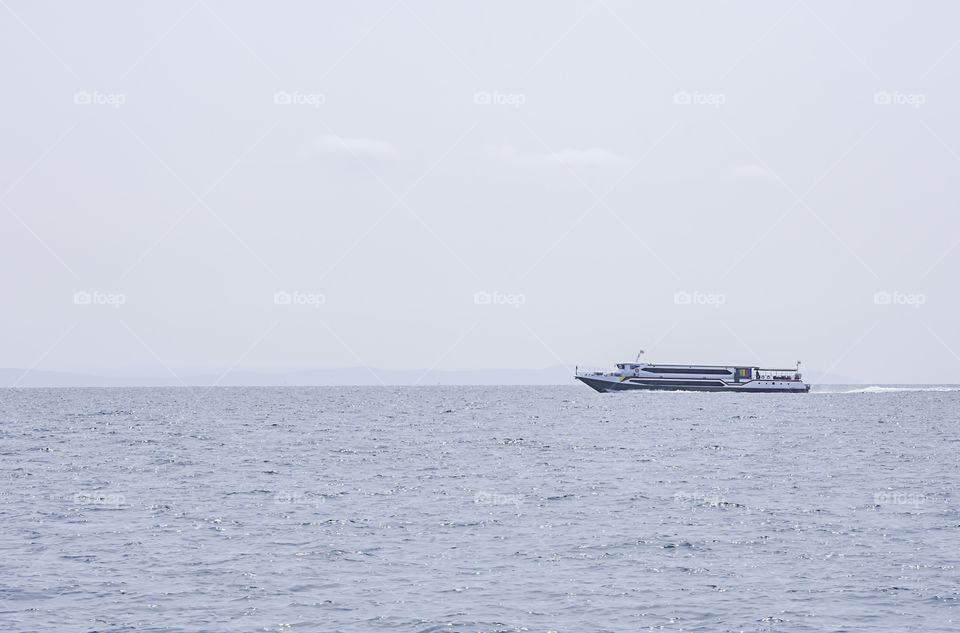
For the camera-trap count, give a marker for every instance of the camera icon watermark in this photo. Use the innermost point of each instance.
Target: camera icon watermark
(298, 298)
(485, 298)
(887, 298)
(883, 97)
(697, 298)
(713, 99)
(97, 298)
(313, 99)
(95, 97)
(514, 100)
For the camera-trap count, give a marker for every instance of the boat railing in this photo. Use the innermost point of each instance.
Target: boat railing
(591, 372)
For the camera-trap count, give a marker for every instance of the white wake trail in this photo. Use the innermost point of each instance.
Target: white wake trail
(878, 389)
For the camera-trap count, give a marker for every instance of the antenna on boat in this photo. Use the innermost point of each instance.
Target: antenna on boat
(639, 355)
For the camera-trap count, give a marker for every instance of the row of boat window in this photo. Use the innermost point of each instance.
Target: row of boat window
(685, 370)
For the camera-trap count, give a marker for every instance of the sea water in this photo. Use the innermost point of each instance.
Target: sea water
(479, 509)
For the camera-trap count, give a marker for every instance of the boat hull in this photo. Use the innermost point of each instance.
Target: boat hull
(609, 384)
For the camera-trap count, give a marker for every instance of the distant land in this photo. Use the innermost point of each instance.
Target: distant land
(347, 376)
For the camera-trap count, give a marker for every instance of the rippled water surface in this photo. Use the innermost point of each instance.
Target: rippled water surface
(478, 509)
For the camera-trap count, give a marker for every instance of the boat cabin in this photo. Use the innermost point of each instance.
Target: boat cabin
(730, 374)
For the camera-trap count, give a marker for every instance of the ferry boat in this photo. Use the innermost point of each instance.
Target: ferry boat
(738, 378)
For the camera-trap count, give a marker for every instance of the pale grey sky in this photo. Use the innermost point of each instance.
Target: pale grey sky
(205, 185)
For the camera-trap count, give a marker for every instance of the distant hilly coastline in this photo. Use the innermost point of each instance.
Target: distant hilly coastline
(347, 376)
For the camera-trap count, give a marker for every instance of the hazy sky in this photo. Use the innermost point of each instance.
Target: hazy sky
(478, 185)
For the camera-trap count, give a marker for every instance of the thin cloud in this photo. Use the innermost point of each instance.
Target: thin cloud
(594, 156)
(361, 147)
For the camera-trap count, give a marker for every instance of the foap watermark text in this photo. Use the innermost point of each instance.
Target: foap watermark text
(497, 499)
(893, 497)
(497, 298)
(298, 298)
(313, 99)
(496, 98)
(98, 499)
(97, 298)
(883, 97)
(95, 97)
(895, 298)
(298, 498)
(697, 298)
(713, 99)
